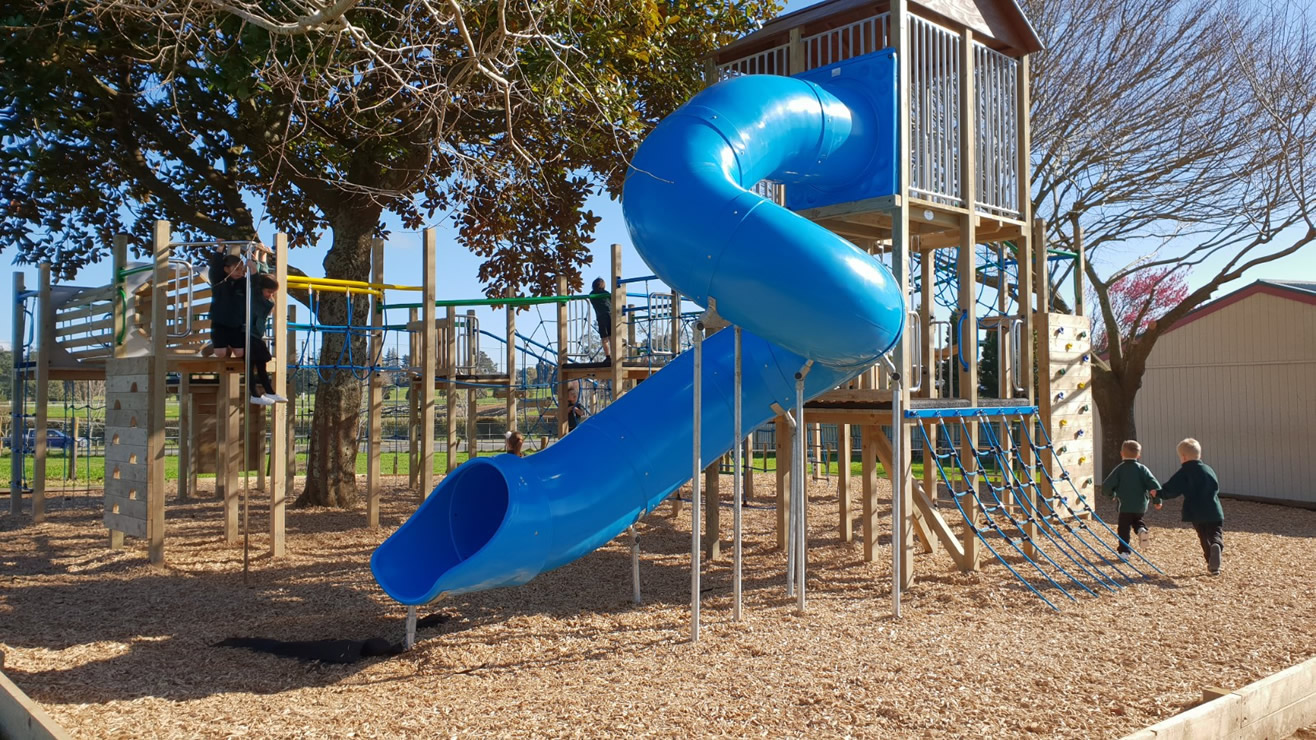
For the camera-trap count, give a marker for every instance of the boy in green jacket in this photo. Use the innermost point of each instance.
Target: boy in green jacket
(1133, 485)
(1200, 488)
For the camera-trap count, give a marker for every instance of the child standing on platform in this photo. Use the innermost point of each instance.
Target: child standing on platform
(1197, 483)
(1133, 485)
(601, 299)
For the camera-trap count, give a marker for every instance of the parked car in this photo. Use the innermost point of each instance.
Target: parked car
(55, 440)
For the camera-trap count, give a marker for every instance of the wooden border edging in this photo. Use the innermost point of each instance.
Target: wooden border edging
(1274, 707)
(23, 719)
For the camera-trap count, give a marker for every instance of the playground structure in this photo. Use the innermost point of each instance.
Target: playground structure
(802, 129)
(950, 221)
(105, 334)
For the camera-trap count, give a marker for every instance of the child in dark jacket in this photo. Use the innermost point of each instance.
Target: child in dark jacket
(601, 300)
(1197, 483)
(228, 315)
(229, 303)
(1133, 485)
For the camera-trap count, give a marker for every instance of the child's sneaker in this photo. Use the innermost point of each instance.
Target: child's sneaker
(1144, 539)
(208, 350)
(274, 398)
(260, 401)
(1213, 560)
(1124, 556)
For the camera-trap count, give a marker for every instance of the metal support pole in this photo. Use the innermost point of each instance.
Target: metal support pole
(635, 565)
(737, 486)
(897, 487)
(801, 559)
(411, 628)
(789, 505)
(695, 479)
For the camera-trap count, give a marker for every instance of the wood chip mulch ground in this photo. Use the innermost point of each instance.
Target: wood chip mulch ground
(113, 647)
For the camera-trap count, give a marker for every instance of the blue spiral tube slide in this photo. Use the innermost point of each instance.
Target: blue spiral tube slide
(799, 291)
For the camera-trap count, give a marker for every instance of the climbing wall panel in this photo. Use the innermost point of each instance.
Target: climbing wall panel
(1064, 377)
(127, 399)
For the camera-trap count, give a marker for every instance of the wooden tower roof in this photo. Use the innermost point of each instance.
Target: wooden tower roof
(1000, 24)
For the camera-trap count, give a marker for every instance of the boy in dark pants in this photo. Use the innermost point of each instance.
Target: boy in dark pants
(1133, 485)
(1200, 488)
(601, 299)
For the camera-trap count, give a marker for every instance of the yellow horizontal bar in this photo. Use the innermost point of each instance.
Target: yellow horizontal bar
(308, 280)
(342, 289)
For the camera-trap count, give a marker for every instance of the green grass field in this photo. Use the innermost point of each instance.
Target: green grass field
(93, 468)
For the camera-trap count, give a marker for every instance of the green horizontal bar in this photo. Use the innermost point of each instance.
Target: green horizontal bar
(143, 268)
(1062, 253)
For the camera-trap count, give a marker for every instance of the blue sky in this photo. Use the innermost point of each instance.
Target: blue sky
(458, 269)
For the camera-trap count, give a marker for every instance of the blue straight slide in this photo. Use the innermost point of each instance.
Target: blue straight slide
(799, 292)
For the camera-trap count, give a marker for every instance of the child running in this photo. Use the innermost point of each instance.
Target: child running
(1197, 483)
(1133, 485)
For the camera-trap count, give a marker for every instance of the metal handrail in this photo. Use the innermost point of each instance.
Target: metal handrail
(1017, 354)
(915, 333)
(179, 307)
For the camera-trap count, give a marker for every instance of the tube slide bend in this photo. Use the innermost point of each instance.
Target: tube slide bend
(799, 291)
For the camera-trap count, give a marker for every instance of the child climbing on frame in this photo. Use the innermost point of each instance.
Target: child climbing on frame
(576, 411)
(601, 300)
(228, 317)
(1133, 485)
(1197, 483)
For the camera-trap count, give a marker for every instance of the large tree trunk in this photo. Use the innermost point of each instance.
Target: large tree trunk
(331, 467)
(1115, 405)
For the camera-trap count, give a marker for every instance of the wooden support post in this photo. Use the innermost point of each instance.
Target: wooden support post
(966, 270)
(228, 445)
(815, 447)
(676, 324)
(902, 535)
(795, 58)
(414, 337)
(843, 456)
(868, 481)
(748, 459)
(472, 399)
(1028, 244)
(562, 355)
(428, 364)
(511, 365)
(450, 388)
(375, 403)
(1042, 276)
(155, 435)
(785, 445)
(186, 440)
(279, 433)
(1080, 266)
(45, 319)
(290, 390)
(925, 316)
(712, 511)
(617, 345)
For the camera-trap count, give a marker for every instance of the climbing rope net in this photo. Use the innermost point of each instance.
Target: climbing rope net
(1021, 504)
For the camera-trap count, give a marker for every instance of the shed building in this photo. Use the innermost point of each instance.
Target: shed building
(1239, 375)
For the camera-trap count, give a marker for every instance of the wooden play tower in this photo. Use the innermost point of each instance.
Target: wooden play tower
(963, 192)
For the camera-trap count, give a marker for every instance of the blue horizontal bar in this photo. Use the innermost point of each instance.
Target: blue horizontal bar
(623, 281)
(972, 411)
